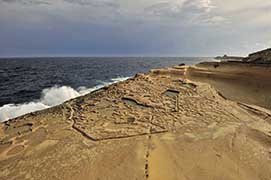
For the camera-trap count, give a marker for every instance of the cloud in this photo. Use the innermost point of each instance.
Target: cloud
(120, 10)
(198, 6)
(215, 20)
(165, 8)
(115, 26)
(117, 11)
(95, 3)
(186, 11)
(27, 2)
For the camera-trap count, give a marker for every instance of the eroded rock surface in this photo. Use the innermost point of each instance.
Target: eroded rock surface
(156, 126)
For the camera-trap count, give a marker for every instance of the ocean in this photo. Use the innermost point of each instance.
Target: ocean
(32, 84)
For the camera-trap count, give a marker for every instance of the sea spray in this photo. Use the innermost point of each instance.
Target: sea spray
(50, 97)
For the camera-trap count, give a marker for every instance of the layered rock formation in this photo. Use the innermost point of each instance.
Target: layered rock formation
(245, 82)
(166, 124)
(260, 57)
(263, 56)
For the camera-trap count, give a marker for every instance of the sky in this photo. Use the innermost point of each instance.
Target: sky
(133, 27)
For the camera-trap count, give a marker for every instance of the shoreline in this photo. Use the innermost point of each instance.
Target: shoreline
(165, 124)
(61, 93)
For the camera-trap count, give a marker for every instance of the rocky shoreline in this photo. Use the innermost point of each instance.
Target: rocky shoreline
(197, 122)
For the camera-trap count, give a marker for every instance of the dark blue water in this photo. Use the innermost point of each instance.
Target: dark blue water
(22, 80)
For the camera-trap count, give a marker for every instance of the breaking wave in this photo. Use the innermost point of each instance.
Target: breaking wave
(50, 97)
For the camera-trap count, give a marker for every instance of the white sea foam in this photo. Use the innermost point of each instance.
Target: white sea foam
(50, 97)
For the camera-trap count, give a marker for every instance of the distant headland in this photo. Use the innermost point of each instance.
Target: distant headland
(260, 57)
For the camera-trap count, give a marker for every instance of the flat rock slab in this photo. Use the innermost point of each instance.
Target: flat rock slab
(156, 126)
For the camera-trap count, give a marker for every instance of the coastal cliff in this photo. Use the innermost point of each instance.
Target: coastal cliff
(170, 123)
(262, 57)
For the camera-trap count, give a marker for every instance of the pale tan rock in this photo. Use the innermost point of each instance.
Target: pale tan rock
(167, 124)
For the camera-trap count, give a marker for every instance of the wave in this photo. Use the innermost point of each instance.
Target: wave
(50, 97)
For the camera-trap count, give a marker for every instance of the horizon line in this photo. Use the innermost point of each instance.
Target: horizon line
(105, 56)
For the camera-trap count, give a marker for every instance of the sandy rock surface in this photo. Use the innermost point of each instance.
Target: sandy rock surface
(160, 125)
